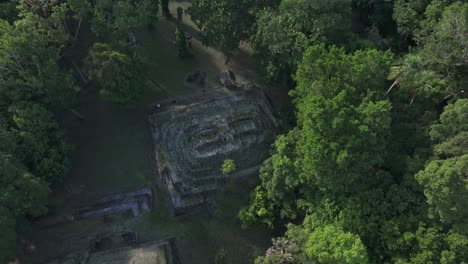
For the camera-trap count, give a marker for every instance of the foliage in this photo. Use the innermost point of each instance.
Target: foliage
(122, 16)
(330, 19)
(408, 13)
(180, 14)
(282, 36)
(223, 23)
(8, 10)
(81, 10)
(29, 62)
(181, 43)
(220, 257)
(416, 18)
(33, 150)
(342, 131)
(284, 250)
(444, 178)
(330, 244)
(23, 195)
(165, 8)
(340, 169)
(228, 166)
(41, 145)
(438, 69)
(344, 126)
(278, 47)
(279, 185)
(118, 74)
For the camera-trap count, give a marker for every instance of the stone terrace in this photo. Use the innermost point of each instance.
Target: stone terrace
(191, 142)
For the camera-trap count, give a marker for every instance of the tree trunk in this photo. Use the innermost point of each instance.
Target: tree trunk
(77, 29)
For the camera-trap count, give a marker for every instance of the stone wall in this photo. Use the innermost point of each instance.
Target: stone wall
(191, 142)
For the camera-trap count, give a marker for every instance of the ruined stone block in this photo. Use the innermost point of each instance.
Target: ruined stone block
(191, 142)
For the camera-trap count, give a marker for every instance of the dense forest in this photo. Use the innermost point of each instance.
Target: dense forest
(372, 164)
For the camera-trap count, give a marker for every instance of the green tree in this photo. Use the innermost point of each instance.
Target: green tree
(41, 145)
(282, 36)
(444, 178)
(433, 244)
(223, 23)
(344, 123)
(29, 62)
(180, 14)
(416, 17)
(119, 17)
(333, 163)
(342, 134)
(279, 185)
(278, 47)
(165, 8)
(8, 10)
(22, 195)
(445, 49)
(331, 244)
(437, 70)
(118, 74)
(81, 11)
(228, 166)
(181, 43)
(8, 241)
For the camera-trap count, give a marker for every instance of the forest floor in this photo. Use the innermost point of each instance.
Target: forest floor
(113, 153)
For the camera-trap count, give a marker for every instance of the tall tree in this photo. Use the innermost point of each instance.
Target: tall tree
(282, 36)
(8, 10)
(445, 177)
(331, 244)
(29, 62)
(278, 47)
(438, 69)
(81, 11)
(165, 8)
(119, 17)
(41, 145)
(342, 133)
(127, 82)
(22, 195)
(181, 42)
(416, 18)
(223, 23)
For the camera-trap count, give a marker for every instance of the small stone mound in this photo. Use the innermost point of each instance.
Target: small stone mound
(228, 79)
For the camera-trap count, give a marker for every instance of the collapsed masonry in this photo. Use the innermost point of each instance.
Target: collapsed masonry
(192, 141)
(119, 247)
(135, 202)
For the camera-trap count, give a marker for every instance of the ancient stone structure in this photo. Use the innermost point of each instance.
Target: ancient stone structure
(135, 202)
(160, 252)
(228, 79)
(106, 241)
(120, 247)
(192, 141)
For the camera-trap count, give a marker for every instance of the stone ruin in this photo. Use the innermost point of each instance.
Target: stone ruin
(228, 79)
(157, 252)
(135, 202)
(191, 142)
(106, 241)
(119, 247)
